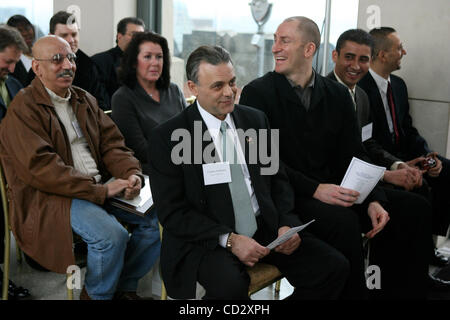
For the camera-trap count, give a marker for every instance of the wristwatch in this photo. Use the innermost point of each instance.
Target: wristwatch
(229, 245)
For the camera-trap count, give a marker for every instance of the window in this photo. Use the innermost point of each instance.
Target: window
(38, 12)
(231, 25)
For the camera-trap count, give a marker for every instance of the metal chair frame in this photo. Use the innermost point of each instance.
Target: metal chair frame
(6, 265)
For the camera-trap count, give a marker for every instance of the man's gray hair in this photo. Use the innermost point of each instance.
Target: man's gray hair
(9, 36)
(214, 55)
(308, 28)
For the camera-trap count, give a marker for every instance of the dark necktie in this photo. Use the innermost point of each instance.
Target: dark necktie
(390, 99)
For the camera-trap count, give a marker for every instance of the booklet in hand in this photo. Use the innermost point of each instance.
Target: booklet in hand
(140, 205)
(286, 236)
(362, 177)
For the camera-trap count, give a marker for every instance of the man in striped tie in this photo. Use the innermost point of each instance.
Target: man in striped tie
(393, 128)
(219, 214)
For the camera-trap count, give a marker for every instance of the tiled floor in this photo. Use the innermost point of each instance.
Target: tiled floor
(52, 286)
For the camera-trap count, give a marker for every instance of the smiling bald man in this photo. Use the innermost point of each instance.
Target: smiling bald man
(56, 168)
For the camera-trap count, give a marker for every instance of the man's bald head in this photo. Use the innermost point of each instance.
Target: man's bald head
(54, 63)
(307, 28)
(42, 47)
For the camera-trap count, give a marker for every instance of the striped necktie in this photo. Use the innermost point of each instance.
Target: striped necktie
(245, 221)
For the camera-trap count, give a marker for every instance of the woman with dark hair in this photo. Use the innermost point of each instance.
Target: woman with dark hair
(27, 31)
(147, 97)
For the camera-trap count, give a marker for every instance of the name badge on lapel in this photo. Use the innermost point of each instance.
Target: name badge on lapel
(215, 173)
(366, 132)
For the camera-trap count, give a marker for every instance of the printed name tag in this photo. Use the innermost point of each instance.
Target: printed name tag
(366, 133)
(215, 173)
(77, 129)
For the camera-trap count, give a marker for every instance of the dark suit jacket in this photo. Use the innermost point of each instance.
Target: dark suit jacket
(377, 154)
(21, 74)
(194, 215)
(411, 144)
(107, 63)
(316, 145)
(87, 78)
(13, 86)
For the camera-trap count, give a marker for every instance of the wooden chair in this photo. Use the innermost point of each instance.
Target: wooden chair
(6, 266)
(7, 236)
(261, 275)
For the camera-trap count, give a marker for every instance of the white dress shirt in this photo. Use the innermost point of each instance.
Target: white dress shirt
(382, 85)
(352, 91)
(213, 125)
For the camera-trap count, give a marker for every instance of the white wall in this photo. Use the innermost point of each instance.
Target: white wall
(423, 28)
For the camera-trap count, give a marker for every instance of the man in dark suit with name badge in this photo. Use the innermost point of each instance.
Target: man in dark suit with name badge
(221, 203)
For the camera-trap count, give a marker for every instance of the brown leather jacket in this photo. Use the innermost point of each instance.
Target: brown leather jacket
(37, 160)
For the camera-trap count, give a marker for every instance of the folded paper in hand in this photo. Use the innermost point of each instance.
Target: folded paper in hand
(140, 205)
(286, 236)
(362, 177)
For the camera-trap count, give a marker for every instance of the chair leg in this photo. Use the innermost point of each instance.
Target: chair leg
(6, 264)
(278, 286)
(18, 254)
(163, 291)
(69, 290)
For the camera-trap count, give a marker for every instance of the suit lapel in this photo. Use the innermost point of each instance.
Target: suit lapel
(362, 110)
(218, 193)
(396, 98)
(378, 107)
(317, 93)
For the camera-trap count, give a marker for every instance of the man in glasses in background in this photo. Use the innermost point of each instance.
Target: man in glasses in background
(58, 148)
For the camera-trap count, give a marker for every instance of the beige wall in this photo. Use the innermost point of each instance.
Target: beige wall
(423, 28)
(98, 20)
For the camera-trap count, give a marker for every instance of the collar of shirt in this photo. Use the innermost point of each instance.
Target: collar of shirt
(352, 91)
(212, 123)
(58, 99)
(381, 82)
(310, 84)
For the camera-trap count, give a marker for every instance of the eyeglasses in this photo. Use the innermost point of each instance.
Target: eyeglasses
(59, 58)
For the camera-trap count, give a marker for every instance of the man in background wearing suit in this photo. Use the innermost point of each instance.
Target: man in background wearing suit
(64, 25)
(107, 62)
(352, 60)
(205, 238)
(392, 124)
(11, 47)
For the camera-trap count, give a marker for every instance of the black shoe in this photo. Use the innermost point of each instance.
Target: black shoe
(438, 284)
(444, 273)
(439, 260)
(15, 292)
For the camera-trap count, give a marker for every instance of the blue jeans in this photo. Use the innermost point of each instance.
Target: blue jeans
(115, 260)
